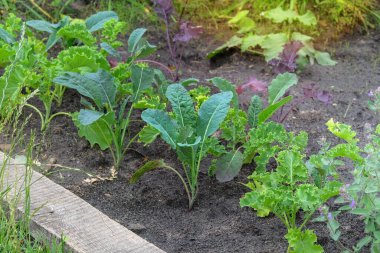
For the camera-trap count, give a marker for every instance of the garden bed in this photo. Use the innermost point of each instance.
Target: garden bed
(156, 207)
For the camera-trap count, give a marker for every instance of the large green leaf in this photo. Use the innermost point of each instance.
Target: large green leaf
(255, 107)
(135, 39)
(142, 79)
(161, 121)
(11, 83)
(97, 21)
(182, 104)
(99, 86)
(324, 59)
(280, 85)
(212, 113)
(302, 241)
(187, 152)
(225, 85)
(41, 25)
(4, 35)
(87, 117)
(151, 165)
(279, 15)
(233, 42)
(273, 44)
(252, 41)
(265, 114)
(98, 132)
(228, 166)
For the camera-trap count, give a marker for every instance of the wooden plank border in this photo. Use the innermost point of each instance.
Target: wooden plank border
(60, 212)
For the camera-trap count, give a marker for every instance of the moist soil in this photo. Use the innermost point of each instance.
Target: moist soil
(156, 207)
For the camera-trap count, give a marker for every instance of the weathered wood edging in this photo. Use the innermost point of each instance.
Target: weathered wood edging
(59, 211)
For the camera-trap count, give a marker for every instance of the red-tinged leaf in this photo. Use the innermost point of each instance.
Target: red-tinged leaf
(286, 62)
(311, 91)
(254, 85)
(188, 32)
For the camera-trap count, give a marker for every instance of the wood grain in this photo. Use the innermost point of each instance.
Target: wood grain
(60, 212)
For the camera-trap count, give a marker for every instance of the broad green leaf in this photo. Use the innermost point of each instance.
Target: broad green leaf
(280, 85)
(291, 167)
(182, 104)
(279, 15)
(97, 21)
(265, 114)
(144, 49)
(252, 41)
(161, 121)
(246, 25)
(99, 86)
(148, 135)
(212, 113)
(142, 79)
(361, 211)
(238, 17)
(273, 44)
(134, 39)
(363, 242)
(233, 42)
(324, 59)
(255, 107)
(187, 152)
(110, 50)
(302, 241)
(87, 117)
(98, 132)
(149, 166)
(4, 35)
(11, 83)
(307, 19)
(301, 37)
(228, 166)
(225, 85)
(41, 25)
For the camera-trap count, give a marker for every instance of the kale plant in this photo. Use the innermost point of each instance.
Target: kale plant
(285, 187)
(113, 95)
(187, 132)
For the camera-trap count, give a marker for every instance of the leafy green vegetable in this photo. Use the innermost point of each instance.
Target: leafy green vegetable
(187, 132)
(285, 189)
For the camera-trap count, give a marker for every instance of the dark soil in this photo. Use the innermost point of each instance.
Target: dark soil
(156, 207)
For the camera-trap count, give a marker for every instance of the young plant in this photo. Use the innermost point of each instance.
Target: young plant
(187, 132)
(185, 32)
(106, 119)
(251, 40)
(285, 188)
(233, 129)
(362, 196)
(70, 31)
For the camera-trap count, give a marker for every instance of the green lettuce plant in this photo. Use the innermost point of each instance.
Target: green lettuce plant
(187, 132)
(285, 188)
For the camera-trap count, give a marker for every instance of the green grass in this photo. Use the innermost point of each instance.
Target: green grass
(15, 235)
